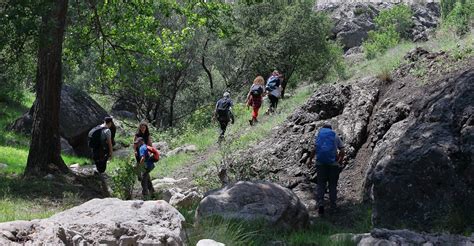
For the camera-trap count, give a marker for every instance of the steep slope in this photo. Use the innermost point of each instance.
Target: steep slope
(409, 142)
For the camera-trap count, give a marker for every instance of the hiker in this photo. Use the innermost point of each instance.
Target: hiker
(146, 165)
(223, 113)
(144, 133)
(254, 97)
(101, 140)
(273, 87)
(329, 151)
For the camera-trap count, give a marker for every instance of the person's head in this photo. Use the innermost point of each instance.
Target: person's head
(226, 94)
(327, 125)
(275, 73)
(139, 141)
(108, 121)
(143, 128)
(259, 80)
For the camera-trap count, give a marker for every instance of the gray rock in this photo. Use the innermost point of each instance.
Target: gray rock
(104, 221)
(66, 148)
(255, 200)
(3, 166)
(186, 200)
(354, 19)
(162, 147)
(78, 114)
(209, 242)
(183, 149)
(405, 237)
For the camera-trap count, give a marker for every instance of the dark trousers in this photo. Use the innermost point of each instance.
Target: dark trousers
(223, 124)
(147, 186)
(100, 157)
(273, 102)
(327, 174)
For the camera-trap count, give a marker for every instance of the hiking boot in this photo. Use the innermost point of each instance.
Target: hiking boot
(321, 210)
(251, 122)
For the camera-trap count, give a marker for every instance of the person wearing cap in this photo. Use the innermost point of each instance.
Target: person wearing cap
(223, 113)
(329, 151)
(146, 166)
(103, 151)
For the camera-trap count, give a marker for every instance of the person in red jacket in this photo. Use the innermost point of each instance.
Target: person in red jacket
(254, 97)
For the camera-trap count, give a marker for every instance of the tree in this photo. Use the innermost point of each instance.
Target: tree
(45, 150)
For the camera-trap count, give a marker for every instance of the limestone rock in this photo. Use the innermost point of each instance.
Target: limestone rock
(104, 221)
(209, 242)
(78, 114)
(255, 200)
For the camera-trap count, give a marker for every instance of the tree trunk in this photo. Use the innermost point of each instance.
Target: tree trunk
(206, 69)
(45, 150)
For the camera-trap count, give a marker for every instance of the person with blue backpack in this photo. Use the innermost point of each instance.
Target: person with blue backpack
(223, 113)
(146, 165)
(254, 97)
(273, 88)
(329, 151)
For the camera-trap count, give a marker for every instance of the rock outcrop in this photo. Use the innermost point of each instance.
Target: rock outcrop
(78, 114)
(353, 20)
(101, 221)
(406, 237)
(254, 201)
(409, 143)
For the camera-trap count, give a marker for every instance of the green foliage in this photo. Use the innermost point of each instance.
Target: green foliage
(391, 26)
(123, 178)
(458, 15)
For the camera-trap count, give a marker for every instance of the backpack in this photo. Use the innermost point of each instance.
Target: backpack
(326, 146)
(256, 90)
(272, 83)
(94, 140)
(223, 108)
(153, 153)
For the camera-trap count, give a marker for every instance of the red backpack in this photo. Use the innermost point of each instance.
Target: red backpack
(153, 153)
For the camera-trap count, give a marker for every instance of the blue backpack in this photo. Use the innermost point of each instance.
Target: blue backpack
(326, 146)
(272, 83)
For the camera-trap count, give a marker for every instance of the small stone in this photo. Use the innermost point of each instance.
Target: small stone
(209, 242)
(3, 166)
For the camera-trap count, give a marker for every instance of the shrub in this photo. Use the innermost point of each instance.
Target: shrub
(391, 26)
(379, 42)
(123, 179)
(460, 17)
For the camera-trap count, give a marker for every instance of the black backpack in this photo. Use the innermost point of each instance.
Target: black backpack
(256, 90)
(222, 109)
(94, 139)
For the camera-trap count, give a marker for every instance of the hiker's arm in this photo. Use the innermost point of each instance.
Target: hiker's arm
(142, 160)
(340, 155)
(109, 142)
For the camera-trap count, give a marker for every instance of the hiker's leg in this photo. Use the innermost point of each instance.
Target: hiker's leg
(322, 180)
(223, 125)
(255, 112)
(144, 182)
(100, 160)
(333, 177)
(151, 189)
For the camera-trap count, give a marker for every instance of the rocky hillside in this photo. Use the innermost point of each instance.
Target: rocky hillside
(409, 142)
(353, 20)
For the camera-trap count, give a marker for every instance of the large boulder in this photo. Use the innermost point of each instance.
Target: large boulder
(102, 221)
(409, 143)
(406, 237)
(253, 201)
(422, 169)
(78, 114)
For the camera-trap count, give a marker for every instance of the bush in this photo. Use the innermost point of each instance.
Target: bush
(123, 179)
(379, 42)
(391, 26)
(460, 17)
